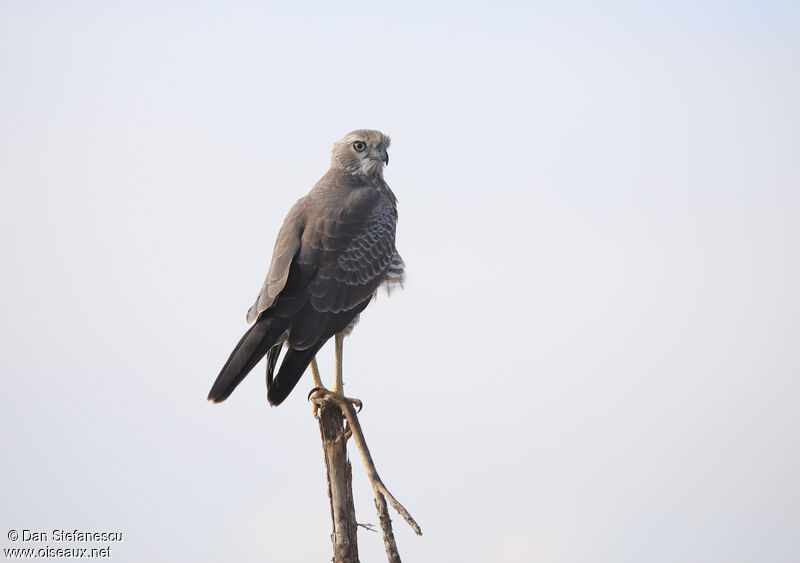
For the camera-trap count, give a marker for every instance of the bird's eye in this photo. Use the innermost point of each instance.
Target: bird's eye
(359, 146)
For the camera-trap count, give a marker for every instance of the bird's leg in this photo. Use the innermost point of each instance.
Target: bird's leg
(338, 385)
(317, 384)
(315, 373)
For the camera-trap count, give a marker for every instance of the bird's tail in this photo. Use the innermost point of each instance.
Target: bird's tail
(248, 352)
(293, 365)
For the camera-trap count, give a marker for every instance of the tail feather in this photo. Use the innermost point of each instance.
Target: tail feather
(272, 359)
(293, 365)
(248, 352)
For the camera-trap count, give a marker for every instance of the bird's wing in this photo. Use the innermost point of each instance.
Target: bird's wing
(341, 236)
(352, 246)
(286, 247)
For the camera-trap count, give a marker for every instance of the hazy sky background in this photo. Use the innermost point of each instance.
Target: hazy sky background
(596, 355)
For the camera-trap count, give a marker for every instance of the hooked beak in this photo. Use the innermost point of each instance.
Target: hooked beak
(379, 153)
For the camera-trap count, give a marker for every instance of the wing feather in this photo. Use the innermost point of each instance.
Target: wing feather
(286, 247)
(360, 265)
(344, 232)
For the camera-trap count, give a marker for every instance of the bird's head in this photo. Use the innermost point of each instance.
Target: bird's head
(362, 151)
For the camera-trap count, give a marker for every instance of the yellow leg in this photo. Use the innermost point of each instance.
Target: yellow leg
(317, 383)
(315, 373)
(338, 385)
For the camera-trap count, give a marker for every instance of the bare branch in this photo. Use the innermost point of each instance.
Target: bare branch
(379, 488)
(340, 489)
(386, 527)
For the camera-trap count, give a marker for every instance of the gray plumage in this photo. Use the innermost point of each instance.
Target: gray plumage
(335, 249)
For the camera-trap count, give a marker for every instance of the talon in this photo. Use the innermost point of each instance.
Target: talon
(314, 390)
(358, 404)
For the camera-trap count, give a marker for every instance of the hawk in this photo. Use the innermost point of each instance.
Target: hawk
(335, 249)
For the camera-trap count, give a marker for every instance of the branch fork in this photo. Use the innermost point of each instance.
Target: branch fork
(323, 400)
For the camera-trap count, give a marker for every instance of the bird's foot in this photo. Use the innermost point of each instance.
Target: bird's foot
(320, 392)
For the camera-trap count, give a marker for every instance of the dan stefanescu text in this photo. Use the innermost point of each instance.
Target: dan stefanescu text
(70, 536)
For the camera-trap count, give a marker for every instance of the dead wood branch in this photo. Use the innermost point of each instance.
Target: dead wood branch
(326, 400)
(340, 485)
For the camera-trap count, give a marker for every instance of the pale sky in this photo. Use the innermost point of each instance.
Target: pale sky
(596, 355)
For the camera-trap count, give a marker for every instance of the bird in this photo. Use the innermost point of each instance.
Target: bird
(334, 251)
